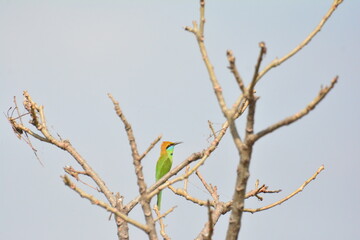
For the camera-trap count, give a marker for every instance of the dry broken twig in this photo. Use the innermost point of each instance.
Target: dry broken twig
(262, 189)
(321, 168)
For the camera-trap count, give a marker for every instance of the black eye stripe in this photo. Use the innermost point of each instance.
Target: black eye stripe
(169, 146)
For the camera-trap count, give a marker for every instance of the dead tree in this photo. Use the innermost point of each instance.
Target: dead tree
(244, 142)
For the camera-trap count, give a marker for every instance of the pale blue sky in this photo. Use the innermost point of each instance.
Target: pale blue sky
(70, 54)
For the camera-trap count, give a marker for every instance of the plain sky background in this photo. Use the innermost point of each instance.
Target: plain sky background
(70, 54)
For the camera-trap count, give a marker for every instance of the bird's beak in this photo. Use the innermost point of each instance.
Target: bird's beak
(176, 143)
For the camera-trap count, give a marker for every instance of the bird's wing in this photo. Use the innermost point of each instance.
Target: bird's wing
(163, 166)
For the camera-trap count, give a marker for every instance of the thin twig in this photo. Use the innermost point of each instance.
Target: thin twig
(257, 67)
(211, 129)
(161, 222)
(75, 174)
(186, 181)
(187, 196)
(18, 131)
(277, 62)
(262, 189)
(29, 131)
(152, 145)
(234, 70)
(127, 126)
(202, 19)
(209, 188)
(199, 34)
(164, 214)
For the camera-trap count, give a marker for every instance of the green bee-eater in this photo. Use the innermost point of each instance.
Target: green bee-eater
(164, 163)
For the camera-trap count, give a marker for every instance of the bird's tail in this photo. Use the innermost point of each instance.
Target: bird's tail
(159, 199)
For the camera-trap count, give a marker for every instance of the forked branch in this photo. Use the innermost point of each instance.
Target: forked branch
(38, 120)
(104, 205)
(144, 199)
(289, 196)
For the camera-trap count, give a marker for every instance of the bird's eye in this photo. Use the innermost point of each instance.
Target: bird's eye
(171, 154)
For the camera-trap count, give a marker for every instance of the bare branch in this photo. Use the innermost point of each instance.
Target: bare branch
(311, 106)
(186, 181)
(212, 190)
(38, 120)
(128, 127)
(250, 92)
(262, 189)
(152, 145)
(187, 196)
(19, 131)
(199, 34)
(21, 127)
(212, 129)
(75, 174)
(289, 196)
(144, 200)
(161, 222)
(234, 70)
(277, 62)
(102, 204)
(202, 18)
(164, 214)
(244, 147)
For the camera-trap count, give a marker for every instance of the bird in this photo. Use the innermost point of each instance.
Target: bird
(164, 163)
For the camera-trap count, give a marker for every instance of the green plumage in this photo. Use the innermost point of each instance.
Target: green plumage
(164, 164)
